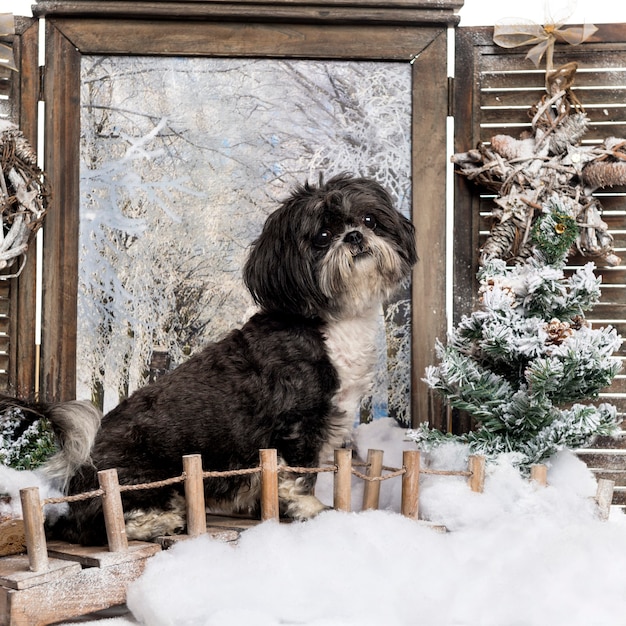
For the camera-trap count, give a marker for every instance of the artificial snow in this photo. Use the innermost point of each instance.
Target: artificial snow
(516, 555)
(12, 480)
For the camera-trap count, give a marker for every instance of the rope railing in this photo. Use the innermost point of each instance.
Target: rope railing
(193, 477)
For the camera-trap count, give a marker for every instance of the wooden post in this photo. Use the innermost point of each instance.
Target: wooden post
(269, 485)
(604, 497)
(539, 474)
(477, 473)
(194, 495)
(371, 492)
(342, 486)
(410, 483)
(34, 532)
(113, 511)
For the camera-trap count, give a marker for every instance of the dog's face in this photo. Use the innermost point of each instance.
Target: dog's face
(331, 251)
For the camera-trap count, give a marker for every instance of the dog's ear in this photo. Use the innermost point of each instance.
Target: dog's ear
(406, 240)
(279, 271)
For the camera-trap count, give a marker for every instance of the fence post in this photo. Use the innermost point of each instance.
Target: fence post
(342, 485)
(194, 495)
(34, 532)
(604, 497)
(539, 474)
(113, 511)
(371, 492)
(410, 483)
(269, 485)
(477, 473)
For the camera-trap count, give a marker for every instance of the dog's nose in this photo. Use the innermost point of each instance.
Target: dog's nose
(354, 237)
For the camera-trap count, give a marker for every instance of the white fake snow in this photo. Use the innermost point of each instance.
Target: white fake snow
(516, 555)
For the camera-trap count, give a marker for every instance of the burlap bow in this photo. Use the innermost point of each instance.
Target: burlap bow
(514, 32)
(7, 27)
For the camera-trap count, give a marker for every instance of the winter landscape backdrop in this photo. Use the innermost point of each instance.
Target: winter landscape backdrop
(181, 161)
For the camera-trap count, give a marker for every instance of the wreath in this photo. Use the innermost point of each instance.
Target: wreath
(24, 198)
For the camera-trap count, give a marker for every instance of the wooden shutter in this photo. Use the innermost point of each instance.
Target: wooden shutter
(494, 89)
(19, 94)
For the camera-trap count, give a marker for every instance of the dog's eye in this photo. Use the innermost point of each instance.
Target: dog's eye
(369, 221)
(323, 238)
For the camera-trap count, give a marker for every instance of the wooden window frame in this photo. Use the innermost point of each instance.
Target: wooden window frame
(413, 32)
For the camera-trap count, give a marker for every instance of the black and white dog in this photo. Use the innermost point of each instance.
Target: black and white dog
(291, 378)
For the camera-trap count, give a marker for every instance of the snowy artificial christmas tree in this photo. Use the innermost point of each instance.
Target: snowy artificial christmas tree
(527, 366)
(524, 362)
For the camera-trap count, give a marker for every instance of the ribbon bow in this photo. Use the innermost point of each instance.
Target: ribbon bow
(7, 27)
(513, 32)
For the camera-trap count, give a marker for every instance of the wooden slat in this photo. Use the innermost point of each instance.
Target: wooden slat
(615, 460)
(416, 12)
(180, 9)
(617, 441)
(60, 278)
(85, 591)
(607, 114)
(595, 134)
(533, 80)
(246, 39)
(429, 165)
(617, 476)
(5, 84)
(522, 99)
(23, 366)
(619, 496)
(95, 556)
(15, 573)
(618, 386)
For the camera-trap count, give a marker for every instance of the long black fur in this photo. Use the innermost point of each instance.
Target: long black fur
(225, 403)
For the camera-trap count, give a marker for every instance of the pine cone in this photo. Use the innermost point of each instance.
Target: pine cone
(500, 242)
(557, 331)
(569, 133)
(604, 174)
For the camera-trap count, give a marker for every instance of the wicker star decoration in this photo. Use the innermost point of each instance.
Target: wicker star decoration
(547, 170)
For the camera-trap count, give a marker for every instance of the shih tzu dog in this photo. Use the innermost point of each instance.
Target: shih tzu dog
(291, 378)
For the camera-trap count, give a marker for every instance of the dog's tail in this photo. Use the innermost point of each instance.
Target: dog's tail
(75, 424)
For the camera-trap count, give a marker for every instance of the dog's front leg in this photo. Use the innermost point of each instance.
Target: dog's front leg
(295, 496)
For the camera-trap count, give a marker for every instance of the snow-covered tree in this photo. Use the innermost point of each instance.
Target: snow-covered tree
(172, 193)
(21, 447)
(527, 365)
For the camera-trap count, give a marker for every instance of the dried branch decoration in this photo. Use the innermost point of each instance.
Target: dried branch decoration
(545, 169)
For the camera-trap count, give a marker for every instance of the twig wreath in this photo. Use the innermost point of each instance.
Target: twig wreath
(24, 191)
(24, 197)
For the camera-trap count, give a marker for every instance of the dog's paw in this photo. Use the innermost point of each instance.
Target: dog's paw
(148, 524)
(304, 507)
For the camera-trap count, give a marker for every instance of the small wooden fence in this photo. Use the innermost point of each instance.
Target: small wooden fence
(193, 478)
(57, 581)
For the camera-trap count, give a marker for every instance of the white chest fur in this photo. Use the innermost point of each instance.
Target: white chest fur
(351, 345)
